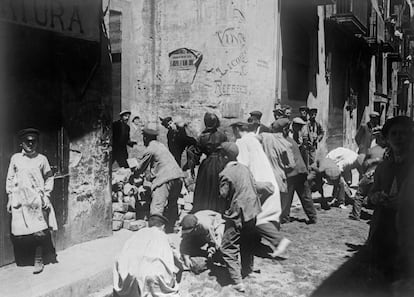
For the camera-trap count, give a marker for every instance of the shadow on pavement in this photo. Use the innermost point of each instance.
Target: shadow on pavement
(354, 279)
(221, 275)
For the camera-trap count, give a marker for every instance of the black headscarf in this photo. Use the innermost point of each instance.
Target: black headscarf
(211, 121)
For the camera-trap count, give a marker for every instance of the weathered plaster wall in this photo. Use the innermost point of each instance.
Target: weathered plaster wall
(88, 122)
(321, 101)
(89, 202)
(233, 44)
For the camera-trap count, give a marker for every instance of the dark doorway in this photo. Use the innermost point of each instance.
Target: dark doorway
(32, 99)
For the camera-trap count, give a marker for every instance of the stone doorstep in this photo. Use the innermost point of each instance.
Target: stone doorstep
(86, 287)
(83, 270)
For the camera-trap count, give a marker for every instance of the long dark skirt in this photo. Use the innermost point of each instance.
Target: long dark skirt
(25, 246)
(382, 242)
(206, 193)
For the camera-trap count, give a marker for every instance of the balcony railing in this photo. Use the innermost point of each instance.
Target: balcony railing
(353, 14)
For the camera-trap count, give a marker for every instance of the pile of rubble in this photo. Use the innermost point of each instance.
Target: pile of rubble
(131, 198)
(126, 196)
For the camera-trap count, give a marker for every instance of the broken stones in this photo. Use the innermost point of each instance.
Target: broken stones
(134, 225)
(120, 207)
(117, 225)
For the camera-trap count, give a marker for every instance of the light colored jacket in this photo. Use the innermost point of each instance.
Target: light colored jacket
(252, 155)
(280, 155)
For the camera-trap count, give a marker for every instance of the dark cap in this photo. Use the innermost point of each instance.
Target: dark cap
(313, 110)
(304, 108)
(157, 218)
(230, 149)
(28, 131)
(280, 124)
(165, 121)
(151, 132)
(188, 223)
(256, 114)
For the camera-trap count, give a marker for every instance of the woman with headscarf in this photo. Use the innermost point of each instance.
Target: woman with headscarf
(405, 234)
(389, 177)
(206, 193)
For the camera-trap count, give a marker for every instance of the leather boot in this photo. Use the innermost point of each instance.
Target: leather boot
(38, 261)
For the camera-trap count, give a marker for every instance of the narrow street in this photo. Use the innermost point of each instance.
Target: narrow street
(153, 147)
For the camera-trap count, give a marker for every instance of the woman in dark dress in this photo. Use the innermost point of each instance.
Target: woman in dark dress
(388, 179)
(206, 193)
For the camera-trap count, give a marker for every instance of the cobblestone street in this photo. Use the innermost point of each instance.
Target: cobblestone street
(315, 253)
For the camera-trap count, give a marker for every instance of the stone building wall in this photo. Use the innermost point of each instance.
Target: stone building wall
(186, 57)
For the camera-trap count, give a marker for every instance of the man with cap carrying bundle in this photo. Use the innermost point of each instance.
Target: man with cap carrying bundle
(364, 136)
(177, 138)
(29, 185)
(146, 264)
(254, 119)
(121, 138)
(316, 134)
(166, 177)
(237, 187)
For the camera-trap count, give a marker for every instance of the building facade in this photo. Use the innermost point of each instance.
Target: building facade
(346, 58)
(183, 58)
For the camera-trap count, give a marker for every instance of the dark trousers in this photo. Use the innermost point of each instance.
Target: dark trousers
(305, 155)
(25, 246)
(364, 186)
(312, 156)
(299, 184)
(164, 201)
(120, 155)
(270, 232)
(238, 240)
(338, 192)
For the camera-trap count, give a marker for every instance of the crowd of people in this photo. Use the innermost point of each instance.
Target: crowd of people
(243, 194)
(244, 189)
